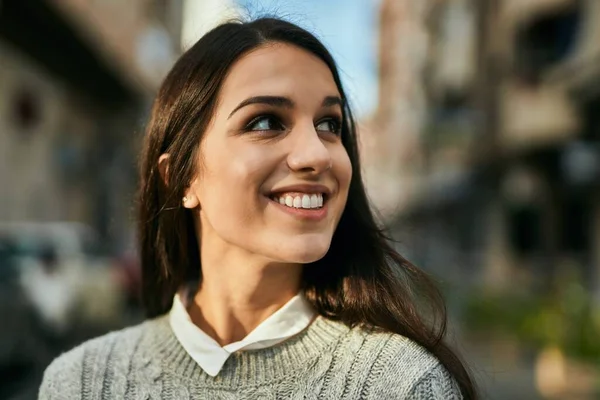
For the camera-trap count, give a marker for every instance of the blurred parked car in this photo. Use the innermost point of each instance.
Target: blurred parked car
(65, 273)
(24, 349)
(8, 262)
(58, 287)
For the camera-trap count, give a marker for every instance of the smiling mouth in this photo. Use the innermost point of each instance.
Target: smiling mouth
(306, 201)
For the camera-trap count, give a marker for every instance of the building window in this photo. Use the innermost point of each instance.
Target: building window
(576, 230)
(26, 110)
(545, 41)
(525, 233)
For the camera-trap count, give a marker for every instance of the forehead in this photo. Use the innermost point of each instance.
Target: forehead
(278, 69)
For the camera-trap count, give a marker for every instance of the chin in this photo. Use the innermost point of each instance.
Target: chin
(305, 250)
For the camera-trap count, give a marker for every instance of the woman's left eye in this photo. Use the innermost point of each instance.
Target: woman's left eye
(265, 123)
(331, 125)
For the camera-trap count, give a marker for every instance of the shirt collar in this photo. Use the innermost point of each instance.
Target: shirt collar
(286, 322)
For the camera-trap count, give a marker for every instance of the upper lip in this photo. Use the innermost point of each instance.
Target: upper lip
(303, 188)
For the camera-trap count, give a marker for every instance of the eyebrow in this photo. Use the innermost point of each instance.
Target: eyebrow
(331, 101)
(283, 102)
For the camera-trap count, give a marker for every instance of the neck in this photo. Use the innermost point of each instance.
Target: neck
(235, 297)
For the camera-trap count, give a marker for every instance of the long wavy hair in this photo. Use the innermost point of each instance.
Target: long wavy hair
(361, 280)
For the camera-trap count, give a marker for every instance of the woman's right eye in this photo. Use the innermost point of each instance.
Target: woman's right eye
(265, 123)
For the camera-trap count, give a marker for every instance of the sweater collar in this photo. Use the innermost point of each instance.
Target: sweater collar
(245, 367)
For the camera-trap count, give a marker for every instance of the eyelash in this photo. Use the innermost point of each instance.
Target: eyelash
(337, 122)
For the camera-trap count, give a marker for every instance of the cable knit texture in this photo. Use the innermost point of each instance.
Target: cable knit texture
(326, 361)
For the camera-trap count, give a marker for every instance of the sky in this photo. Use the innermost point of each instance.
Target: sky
(349, 30)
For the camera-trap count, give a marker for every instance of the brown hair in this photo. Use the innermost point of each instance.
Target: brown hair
(361, 280)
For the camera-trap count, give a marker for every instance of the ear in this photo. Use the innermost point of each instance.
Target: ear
(163, 168)
(190, 200)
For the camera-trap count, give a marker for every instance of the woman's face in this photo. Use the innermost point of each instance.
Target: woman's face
(272, 174)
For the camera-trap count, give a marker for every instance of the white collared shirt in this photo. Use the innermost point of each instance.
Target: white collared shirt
(286, 322)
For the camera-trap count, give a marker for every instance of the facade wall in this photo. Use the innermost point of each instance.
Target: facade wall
(506, 144)
(32, 109)
(391, 138)
(140, 38)
(64, 154)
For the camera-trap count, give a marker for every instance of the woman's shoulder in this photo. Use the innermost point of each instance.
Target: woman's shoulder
(64, 377)
(393, 349)
(402, 368)
(126, 337)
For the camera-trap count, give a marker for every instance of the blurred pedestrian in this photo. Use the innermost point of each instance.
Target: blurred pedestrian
(265, 274)
(49, 289)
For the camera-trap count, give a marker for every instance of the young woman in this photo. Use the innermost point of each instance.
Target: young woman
(265, 274)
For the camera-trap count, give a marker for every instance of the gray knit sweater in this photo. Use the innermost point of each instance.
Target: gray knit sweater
(325, 361)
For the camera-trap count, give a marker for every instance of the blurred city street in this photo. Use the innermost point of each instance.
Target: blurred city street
(479, 123)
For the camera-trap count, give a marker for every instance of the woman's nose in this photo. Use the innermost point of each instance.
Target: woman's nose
(309, 153)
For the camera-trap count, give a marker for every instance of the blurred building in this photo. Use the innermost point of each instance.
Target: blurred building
(76, 77)
(200, 16)
(502, 181)
(391, 137)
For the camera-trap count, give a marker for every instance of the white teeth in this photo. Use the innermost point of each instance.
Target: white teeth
(307, 201)
(297, 202)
